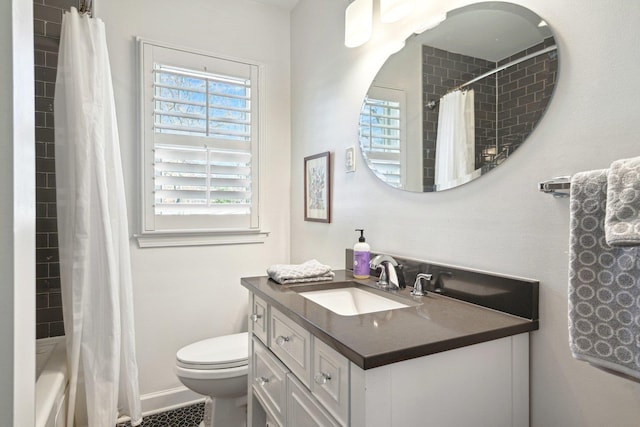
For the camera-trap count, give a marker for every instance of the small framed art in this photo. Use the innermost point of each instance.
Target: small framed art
(317, 187)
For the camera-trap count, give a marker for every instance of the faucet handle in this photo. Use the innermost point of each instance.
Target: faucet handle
(418, 289)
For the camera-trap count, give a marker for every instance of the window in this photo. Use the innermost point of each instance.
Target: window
(382, 133)
(200, 145)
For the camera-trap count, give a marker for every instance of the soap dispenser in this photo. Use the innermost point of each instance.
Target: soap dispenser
(361, 257)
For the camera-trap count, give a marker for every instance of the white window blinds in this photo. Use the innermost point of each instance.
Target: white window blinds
(201, 147)
(191, 103)
(382, 134)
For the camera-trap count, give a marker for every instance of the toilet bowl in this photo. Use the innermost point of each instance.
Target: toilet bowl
(217, 368)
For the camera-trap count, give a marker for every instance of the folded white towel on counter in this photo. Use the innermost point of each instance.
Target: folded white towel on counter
(622, 222)
(310, 271)
(603, 284)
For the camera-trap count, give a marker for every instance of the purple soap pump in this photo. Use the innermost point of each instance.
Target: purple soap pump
(361, 255)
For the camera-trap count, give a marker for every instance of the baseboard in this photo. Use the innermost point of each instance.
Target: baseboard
(166, 400)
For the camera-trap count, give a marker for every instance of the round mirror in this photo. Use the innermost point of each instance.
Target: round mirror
(460, 98)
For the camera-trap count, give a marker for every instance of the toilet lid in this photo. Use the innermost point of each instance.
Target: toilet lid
(228, 351)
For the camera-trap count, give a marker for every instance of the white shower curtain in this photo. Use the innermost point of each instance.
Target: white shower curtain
(455, 143)
(93, 232)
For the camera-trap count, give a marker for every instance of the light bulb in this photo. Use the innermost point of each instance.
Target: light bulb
(358, 23)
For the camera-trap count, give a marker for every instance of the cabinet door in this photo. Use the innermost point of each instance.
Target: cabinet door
(258, 318)
(269, 381)
(330, 384)
(303, 410)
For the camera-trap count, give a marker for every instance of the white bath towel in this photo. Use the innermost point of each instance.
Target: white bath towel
(310, 271)
(603, 284)
(622, 223)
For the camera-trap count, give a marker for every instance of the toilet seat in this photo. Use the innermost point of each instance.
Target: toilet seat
(225, 352)
(211, 374)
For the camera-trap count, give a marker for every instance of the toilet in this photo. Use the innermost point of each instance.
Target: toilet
(217, 368)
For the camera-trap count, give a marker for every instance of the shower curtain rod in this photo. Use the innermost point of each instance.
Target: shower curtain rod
(433, 103)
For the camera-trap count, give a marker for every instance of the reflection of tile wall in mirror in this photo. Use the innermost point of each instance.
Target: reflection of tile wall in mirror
(474, 43)
(443, 71)
(524, 92)
(508, 104)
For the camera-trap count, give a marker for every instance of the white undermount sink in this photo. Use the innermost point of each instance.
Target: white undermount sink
(351, 301)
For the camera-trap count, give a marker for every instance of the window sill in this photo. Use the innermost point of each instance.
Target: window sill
(175, 239)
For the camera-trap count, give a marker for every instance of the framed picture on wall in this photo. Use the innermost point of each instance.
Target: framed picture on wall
(317, 187)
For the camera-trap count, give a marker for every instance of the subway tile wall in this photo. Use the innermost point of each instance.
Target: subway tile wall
(47, 20)
(523, 92)
(441, 72)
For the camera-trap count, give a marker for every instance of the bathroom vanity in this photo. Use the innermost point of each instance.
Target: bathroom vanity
(438, 361)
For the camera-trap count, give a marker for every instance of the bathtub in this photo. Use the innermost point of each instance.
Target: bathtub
(51, 382)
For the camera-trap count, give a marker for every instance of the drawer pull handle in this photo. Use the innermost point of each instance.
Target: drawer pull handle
(262, 380)
(322, 378)
(281, 340)
(254, 317)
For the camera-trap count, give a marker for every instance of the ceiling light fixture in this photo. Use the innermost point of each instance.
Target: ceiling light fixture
(358, 23)
(394, 10)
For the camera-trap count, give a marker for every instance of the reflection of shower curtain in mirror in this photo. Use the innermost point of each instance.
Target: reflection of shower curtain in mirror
(455, 144)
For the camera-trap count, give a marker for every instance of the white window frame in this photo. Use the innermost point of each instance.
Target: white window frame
(399, 96)
(193, 230)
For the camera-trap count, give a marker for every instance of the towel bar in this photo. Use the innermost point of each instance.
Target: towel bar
(558, 187)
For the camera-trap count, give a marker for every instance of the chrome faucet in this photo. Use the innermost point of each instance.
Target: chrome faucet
(389, 278)
(418, 289)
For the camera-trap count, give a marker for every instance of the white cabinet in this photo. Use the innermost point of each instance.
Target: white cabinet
(303, 410)
(481, 385)
(258, 317)
(297, 380)
(270, 422)
(292, 344)
(330, 383)
(269, 381)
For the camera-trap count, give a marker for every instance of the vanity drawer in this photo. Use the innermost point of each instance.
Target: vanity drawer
(330, 380)
(303, 410)
(269, 381)
(292, 344)
(258, 318)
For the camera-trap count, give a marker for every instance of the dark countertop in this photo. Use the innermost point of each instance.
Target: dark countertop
(434, 323)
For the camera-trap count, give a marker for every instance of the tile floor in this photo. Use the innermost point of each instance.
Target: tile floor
(188, 416)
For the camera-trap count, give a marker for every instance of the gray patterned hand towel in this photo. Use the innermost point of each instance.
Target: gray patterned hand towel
(310, 271)
(622, 223)
(604, 284)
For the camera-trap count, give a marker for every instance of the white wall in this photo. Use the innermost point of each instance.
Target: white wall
(17, 214)
(500, 222)
(186, 294)
(403, 72)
